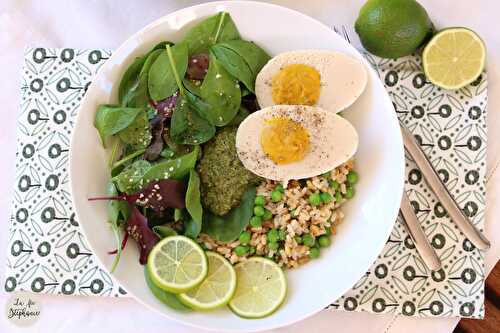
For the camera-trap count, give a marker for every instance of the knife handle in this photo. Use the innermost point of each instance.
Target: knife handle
(451, 207)
(410, 220)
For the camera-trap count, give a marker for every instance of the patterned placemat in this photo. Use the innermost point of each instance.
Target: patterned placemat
(48, 254)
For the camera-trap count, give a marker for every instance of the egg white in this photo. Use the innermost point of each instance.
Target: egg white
(343, 78)
(333, 141)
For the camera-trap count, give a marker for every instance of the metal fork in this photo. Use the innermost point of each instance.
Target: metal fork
(410, 220)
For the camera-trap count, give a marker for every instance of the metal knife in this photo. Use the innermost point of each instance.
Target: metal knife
(432, 178)
(426, 251)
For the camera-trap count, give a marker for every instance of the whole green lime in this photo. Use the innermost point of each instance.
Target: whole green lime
(393, 28)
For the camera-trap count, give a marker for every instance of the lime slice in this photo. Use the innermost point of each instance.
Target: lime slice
(177, 264)
(260, 290)
(217, 288)
(454, 58)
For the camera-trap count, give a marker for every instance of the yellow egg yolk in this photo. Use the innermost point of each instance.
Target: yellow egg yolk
(296, 84)
(284, 140)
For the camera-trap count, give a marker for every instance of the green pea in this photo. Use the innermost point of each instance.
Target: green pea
(324, 241)
(334, 184)
(308, 240)
(326, 197)
(272, 236)
(292, 213)
(273, 246)
(338, 197)
(349, 193)
(276, 196)
(267, 215)
(314, 253)
(298, 239)
(259, 211)
(260, 200)
(352, 177)
(328, 231)
(315, 199)
(280, 188)
(256, 221)
(241, 250)
(281, 235)
(251, 250)
(245, 237)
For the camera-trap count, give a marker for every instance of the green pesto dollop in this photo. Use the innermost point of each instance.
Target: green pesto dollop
(224, 179)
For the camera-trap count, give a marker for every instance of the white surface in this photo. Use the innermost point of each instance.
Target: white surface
(370, 215)
(94, 24)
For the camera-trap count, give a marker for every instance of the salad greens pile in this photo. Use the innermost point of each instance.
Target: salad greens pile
(171, 100)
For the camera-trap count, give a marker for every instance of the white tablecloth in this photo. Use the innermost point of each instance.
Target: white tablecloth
(80, 24)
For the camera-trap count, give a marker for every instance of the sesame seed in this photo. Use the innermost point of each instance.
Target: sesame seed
(218, 76)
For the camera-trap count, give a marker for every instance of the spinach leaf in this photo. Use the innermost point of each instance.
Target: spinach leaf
(130, 79)
(111, 119)
(138, 133)
(188, 127)
(118, 213)
(193, 206)
(137, 94)
(176, 168)
(240, 116)
(167, 71)
(192, 86)
(162, 45)
(235, 65)
(222, 92)
(129, 180)
(216, 28)
(163, 231)
(228, 227)
(167, 298)
(254, 56)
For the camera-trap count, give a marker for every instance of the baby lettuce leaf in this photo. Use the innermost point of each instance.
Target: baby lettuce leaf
(167, 71)
(235, 65)
(163, 296)
(254, 56)
(111, 119)
(187, 126)
(228, 227)
(193, 206)
(176, 168)
(222, 92)
(163, 231)
(138, 133)
(216, 28)
(129, 180)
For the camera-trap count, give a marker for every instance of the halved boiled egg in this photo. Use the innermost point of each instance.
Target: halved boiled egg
(327, 79)
(284, 142)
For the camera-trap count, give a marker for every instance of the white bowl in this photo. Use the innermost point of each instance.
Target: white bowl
(370, 215)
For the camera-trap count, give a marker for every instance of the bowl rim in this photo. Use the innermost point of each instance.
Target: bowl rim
(398, 146)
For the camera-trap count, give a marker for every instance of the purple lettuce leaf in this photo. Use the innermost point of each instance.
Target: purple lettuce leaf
(157, 195)
(197, 66)
(137, 228)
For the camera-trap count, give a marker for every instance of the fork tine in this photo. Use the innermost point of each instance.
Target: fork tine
(346, 35)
